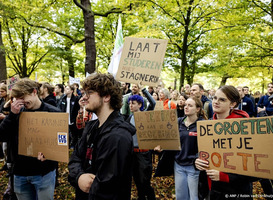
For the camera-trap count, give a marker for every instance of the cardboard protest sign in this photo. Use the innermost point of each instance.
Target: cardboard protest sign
(11, 82)
(157, 128)
(141, 60)
(44, 132)
(241, 146)
(159, 105)
(74, 80)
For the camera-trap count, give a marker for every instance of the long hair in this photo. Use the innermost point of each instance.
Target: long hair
(199, 104)
(232, 94)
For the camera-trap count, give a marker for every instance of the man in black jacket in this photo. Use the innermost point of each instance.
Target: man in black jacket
(70, 104)
(33, 178)
(101, 164)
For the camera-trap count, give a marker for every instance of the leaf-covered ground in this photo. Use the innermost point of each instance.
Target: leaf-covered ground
(164, 186)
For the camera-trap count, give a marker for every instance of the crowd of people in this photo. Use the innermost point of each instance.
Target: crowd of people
(102, 134)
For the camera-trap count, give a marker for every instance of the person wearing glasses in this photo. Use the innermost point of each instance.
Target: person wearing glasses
(101, 164)
(215, 184)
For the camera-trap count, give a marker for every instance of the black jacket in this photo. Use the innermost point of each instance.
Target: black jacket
(50, 99)
(111, 161)
(188, 142)
(74, 102)
(24, 165)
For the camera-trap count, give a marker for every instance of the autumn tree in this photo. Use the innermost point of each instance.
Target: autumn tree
(3, 67)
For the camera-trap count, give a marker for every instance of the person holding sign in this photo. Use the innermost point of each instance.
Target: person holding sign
(142, 158)
(33, 178)
(219, 185)
(186, 176)
(101, 164)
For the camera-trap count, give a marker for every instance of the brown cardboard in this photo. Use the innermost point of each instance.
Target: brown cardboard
(157, 128)
(44, 132)
(159, 105)
(141, 60)
(10, 83)
(240, 146)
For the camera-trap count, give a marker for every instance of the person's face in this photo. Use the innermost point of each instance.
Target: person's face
(155, 96)
(161, 95)
(150, 89)
(123, 85)
(3, 93)
(134, 106)
(29, 100)
(220, 103)
(190, 108)
(135, 89)
(181, 101)
(270, 89)
(240, 90)
(57, 90)
(174, 95)
(68, 90)
(93, 101)
(187, 88)
(195, 91)
(212, 92)
(246, 90)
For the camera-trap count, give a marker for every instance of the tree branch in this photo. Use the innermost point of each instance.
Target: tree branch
(75, 41)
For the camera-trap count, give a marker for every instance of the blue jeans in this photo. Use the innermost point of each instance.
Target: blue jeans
(186, 182)
(35, 187)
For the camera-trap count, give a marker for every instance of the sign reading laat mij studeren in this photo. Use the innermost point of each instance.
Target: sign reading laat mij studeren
(241, 146)
(141, 60)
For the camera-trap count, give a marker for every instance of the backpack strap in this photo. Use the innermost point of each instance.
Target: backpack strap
(169, 104)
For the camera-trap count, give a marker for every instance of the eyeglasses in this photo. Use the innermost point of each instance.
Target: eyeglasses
(88, 93)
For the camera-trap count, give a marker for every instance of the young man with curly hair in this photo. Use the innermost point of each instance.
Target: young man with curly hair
(101, 164)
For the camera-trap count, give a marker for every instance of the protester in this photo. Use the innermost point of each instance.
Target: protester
(186, 176)
(126, 88)
(219, 185)
(155, 96)
(66, 104)
(33, 178)
(197, 90)
(247, 94)
(76, 91)
(47, 95)
(125, 110)
(142, 158)
(151, 90)
(4, 98)
(181, 104)
(83, 115)
(59, 91)
(246, 104)
(174, 96)
(264, 105)
(164, 96)
(211, 94)
(101, 165)
(187, 89)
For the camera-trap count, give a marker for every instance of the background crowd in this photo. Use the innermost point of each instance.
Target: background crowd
(192, 102)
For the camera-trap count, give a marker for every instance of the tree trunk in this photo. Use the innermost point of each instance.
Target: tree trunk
(224, 80)
(185, 45)
(90, 46)
(3, 65)
(69, 58)
(24, 72)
